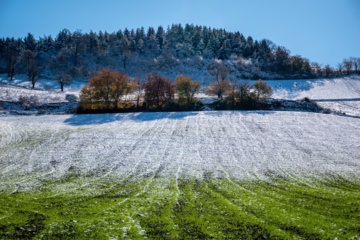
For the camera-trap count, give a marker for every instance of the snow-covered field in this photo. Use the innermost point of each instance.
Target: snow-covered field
(46, 91)
(239, 144)
(340, 94)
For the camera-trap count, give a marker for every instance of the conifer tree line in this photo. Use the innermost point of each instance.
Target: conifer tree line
(175, 50)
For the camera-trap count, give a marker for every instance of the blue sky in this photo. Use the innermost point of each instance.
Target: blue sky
(325, 31)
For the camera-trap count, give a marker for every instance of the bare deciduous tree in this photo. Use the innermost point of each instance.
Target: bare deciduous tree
(347, 65)
(61, 69)
(340, 68)
(356, 63)
(31, 67)
(220, 84)
(219, 88)
(218, 71)
(63, 79)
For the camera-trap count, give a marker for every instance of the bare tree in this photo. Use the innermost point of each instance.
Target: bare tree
(31, 67)
(219, 88)
(63, 79)
(327, 70)
(218, 71)
(340, 68)
(61, 69)
(356, 63)
(244, 91)
(316, 67)
(139, 90)
(220, 84)
(347, 65)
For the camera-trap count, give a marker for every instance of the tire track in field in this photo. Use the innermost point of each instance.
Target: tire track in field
(154, 173)
(113, 159)
(117, 156)
(151, 143)
(313, 145)
(233, 139)
(255, 210)
(166, 166)
(279, 149)
(260, 164)
(25, 165)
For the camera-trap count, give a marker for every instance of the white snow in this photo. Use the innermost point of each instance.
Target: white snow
(232, 144)
(339, 94)
(338, 88)
(46, 90)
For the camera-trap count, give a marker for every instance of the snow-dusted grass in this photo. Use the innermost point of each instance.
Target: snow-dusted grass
(241, 145)
(157, 208)
(195, 175)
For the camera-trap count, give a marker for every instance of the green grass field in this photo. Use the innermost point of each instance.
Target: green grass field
(164, 208)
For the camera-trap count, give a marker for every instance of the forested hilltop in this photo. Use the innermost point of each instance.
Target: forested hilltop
(189, 50)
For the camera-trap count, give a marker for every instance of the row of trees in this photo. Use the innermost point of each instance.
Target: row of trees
(350, 65)
(107, 90)
(346, 67)
(138, 51)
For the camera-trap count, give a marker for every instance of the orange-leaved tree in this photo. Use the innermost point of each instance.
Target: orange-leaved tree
(105, 90)
(186, 88)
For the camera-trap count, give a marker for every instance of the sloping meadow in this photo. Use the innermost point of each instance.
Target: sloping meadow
(180, 175)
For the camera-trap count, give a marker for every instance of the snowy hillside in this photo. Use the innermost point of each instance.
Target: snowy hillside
(338, 88)
(339, 94)
(46, 91)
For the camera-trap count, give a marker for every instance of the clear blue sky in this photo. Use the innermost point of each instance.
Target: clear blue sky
(325, 31)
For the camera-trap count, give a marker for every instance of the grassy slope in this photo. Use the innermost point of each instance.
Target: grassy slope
(92, 205)
(165, 208)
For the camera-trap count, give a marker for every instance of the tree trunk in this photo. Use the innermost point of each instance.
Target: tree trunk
(124, 62)
(116, 104)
